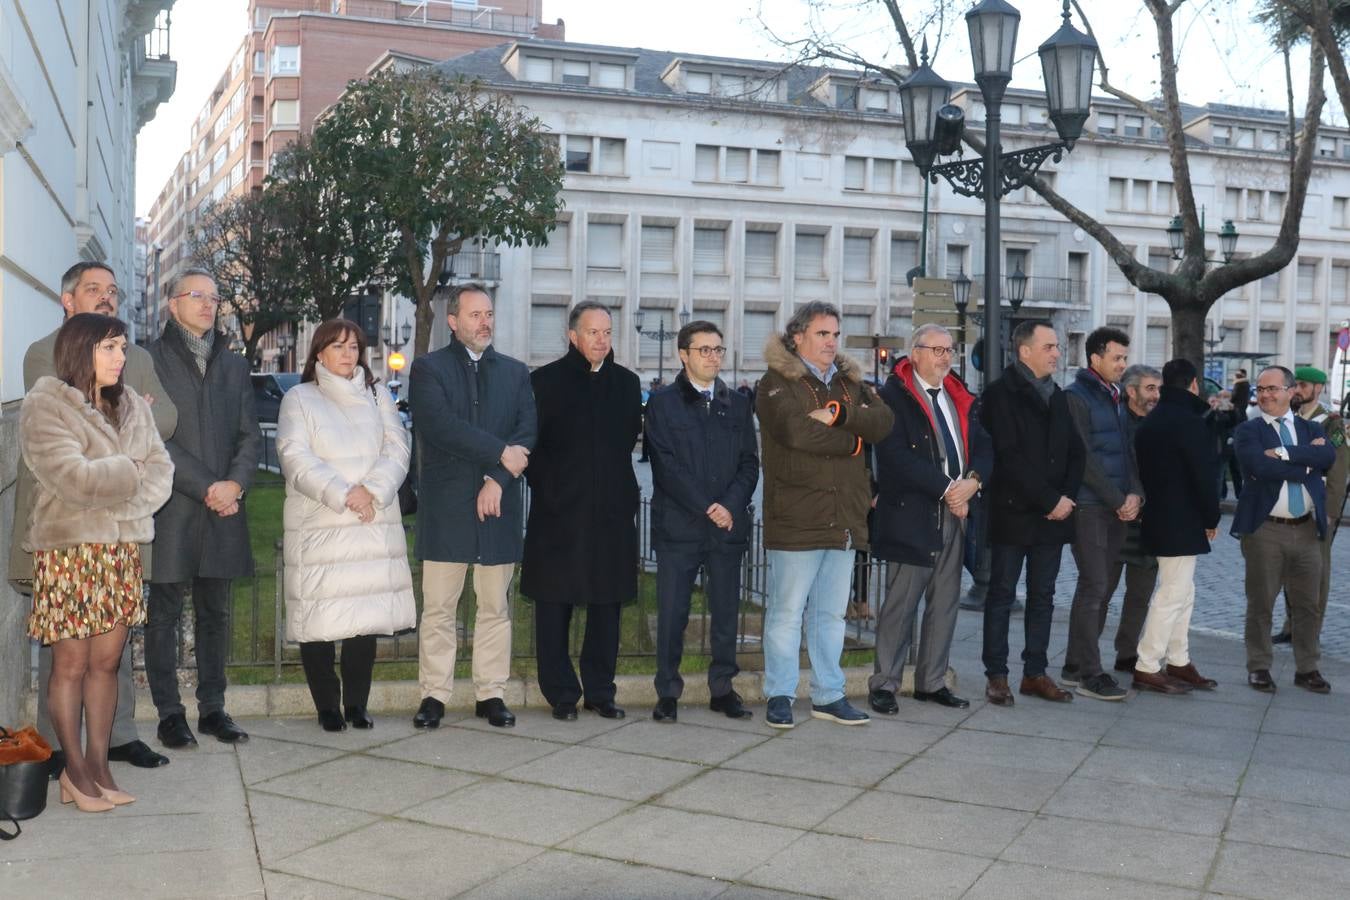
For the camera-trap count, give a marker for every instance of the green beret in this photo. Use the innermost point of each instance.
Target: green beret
(1310, 375)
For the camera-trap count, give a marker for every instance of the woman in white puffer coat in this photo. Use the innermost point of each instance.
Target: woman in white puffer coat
(344, 453)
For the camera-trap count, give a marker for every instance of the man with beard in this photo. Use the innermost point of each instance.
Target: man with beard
(474, 413)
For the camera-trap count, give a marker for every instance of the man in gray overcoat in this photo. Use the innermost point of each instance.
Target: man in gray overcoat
(88, 287)
(201, 534)
(474, 414)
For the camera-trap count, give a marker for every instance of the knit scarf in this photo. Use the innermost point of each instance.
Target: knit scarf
(200, 347)
(1045, 387)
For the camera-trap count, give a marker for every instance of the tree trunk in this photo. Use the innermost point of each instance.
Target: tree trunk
(1188, 332)
(424, 317)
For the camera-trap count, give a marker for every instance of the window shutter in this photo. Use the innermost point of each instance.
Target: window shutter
(604, 246)
(904, 256)
(761, 253)
(738, 164)
(548, 326)
(756, 328)
(538, 68)
(611, 156)
(856, 324)
(1155, 345)
(553, 255)
(855, 173)
(658, 248)
(766, 166)
(883, 175)
(710, 251)
(1304, 348)
(810, 262)
(857, 259)
(612, 76)
(1307, 281)
(1268, 340)
(705, 163)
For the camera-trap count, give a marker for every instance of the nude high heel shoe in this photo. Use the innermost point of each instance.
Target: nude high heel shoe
(117, 798)
(83, 802)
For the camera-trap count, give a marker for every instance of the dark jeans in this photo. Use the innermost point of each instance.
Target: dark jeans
(675, 573)
(1098, 536)
(358, 661)
(1005, 567)
(599, 653)
(1140, 580)
(210, 605)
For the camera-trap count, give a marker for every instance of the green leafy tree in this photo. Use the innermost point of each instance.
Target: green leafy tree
(444, 161)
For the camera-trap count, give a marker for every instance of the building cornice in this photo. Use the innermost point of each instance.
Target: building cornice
(15, 121)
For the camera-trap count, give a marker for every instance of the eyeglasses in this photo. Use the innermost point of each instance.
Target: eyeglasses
(200, 297)
(709, 352)
(111, 291)
(939, 352)
(1270, 388)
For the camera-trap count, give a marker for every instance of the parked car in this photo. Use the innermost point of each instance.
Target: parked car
(268, 389)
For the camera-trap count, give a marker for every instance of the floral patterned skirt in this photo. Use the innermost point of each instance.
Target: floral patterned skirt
(85, 590)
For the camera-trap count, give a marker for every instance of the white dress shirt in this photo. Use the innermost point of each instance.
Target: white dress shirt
(947, 410)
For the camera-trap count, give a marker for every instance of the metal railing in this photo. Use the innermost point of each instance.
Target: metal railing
(1041, 289)
(474, 265)
(454, 13)
(157, 39)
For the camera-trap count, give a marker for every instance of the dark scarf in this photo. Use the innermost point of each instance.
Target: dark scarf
(199, 347)
(1045, 387)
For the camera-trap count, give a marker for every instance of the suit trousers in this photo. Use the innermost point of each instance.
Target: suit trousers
(358, 662)
(1140, 579)
(1166, 636)
(939, 586)
(1289, 557)
(675, 573)
(124, 720)
(1098, 536)
(437, 639)
(1005, 568)
(211, 609)
(599, 653)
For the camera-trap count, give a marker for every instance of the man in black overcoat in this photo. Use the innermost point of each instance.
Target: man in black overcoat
(201, 534)
(1038, 468)
(474, 414)
(581, 542)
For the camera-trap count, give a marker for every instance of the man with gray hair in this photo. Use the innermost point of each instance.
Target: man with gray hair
(815, 414)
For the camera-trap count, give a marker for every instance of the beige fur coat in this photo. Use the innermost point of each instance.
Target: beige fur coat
(96, 483)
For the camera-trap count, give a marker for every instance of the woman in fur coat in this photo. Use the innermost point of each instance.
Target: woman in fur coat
(101, 472)
(344, 452)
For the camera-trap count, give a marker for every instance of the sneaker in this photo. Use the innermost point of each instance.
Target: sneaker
(1101, 687)
(840, 711)
(1068, 676)
(779, 713)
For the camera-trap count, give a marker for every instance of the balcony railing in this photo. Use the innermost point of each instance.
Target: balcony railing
(157, 40)
(474, 265)
(1041, 290)
(448, 13)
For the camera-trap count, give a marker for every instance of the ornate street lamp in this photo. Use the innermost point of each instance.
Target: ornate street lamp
(1228, 237)
(660, 335)
(1017, 289)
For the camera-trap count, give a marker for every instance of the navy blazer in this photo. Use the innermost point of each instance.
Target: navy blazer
(1263, 475)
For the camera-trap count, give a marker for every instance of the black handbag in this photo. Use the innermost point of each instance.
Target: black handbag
(23, 777)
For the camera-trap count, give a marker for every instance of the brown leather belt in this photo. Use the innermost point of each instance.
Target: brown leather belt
(1281, 520)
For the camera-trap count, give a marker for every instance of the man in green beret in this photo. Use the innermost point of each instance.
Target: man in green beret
(1309, 383)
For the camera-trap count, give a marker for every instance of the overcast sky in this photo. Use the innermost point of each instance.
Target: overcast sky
(1223, 56)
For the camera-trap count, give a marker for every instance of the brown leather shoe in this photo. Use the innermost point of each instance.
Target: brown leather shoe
(1159, 683)
(1188, 674)
(1044, 686)
(1313, 681)
(1260, 680)
(997, 693)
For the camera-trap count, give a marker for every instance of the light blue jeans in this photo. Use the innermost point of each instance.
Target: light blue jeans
(806, 587)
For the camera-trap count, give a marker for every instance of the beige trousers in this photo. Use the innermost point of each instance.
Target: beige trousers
(442, 584)
(1166, 634)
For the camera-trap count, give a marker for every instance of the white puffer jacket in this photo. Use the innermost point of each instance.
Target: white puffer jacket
(343, 577)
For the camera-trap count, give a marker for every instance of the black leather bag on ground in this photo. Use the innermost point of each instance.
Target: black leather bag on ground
(23, 777)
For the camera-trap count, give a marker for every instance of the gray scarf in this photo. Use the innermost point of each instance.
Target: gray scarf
(200, 347)
(1045, 387)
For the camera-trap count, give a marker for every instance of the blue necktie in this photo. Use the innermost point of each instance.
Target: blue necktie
(1296, 505)
(953, 458)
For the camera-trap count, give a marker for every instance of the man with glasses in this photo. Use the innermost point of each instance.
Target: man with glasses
(705, 465)
(1281, 519)
(89, 287)
(201, 534)
(929, 469)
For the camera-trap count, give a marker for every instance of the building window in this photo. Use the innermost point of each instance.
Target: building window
(259, 62)
(597, 156)
(1221, 135)
(1268, 341)
(874, 100)
(1326, 147)
(604, 246)
(710, 251)
(698, 82)
(1270, 286)
(218, 160)
(554, 254)
(904, 256)
(858, 258)
(579, 153)
(1339, 289)
(658, 248)
(1139, 191)
(810, 256)
(737, 165)
(1338, 212)
(734, 165)
(1115, 193)
(609, 75)
(767, 166)
(1078, 269)
(757, 328)
(1305, 348)
(761, 254)
(285, 60)
(538, 68)
(864, 174)
(1307, 282)
(576, 72)
(1106, 123)
(955, 260)
(1232, 203)
(1010, 113)
(1155, 346)
(855, 173)
(1133, 126)
(548, 327)
(285, 113)
(237, 174)
(705, 163)
(1272, 140)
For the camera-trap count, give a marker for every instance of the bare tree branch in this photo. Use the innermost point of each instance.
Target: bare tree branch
(1105, 84)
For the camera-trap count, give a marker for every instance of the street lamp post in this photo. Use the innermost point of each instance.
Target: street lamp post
(395, 339)
(1067, 61)
(286, 344)
(660, 335)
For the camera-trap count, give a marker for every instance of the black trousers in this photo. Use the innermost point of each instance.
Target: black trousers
(358, 661)
(211, 609)
(675, 573)
(599, 653)
(1042, 563)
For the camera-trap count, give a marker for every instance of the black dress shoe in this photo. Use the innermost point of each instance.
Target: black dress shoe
(565, 712)
(666, 710)
(1261, 680)
(495, 711)
(174, 733)
(222, 727)
(883, 702)
(1312, 681)
(605, 709)
(56, 764)
(1281, 637)
(138, 753)
(332, 720)
(429, 713)
(943, 697)
(730, 705)
(357, 717)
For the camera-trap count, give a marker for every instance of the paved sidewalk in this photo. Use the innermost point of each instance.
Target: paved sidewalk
(1234, 793)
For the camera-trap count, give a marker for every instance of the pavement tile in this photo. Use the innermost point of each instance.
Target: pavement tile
(145, 876)
(1277, 873)
(528, 813)
(1274, 781)
(1145, 854)
(281, 886)
(746, 892)
(467, 749)
(366, 783)
(267, 758)
(1015, 881)
(1301, 723)
(1195, 709)
(1303, 753)
(990, 748)
(1176, 737)
(773, 799)
(968, 782)
(407, 859)
(883, 733)
(1061, 721)
(689, 842)
(1161, 768)
(599, 771)
(1166, 809)
(829, 866)
(181, 786)
(818, 761)
(306, 730)
(705, 746)
(1274, 823)
(699, 714)
(538, 722)
(1291, 697)
(283, 825)
(556, 875)
(925, 822)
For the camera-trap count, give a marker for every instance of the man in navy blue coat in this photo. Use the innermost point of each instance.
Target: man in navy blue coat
(1281, 517)
(705, 465)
